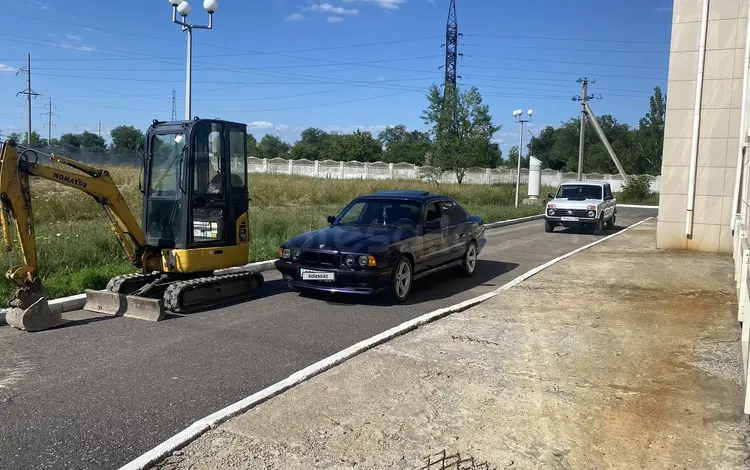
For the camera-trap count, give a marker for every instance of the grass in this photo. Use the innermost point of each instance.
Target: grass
(651, 200)
(78, 251)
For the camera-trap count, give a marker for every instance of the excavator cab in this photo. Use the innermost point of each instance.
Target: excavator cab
(195, 195)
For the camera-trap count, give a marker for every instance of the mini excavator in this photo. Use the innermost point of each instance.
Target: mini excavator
(195, 224)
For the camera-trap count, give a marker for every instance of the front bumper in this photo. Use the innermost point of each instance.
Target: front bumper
(349, 281)
(581, 220)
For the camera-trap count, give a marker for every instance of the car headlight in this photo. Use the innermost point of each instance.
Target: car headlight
(349, 260)
(591, 213)
(286, 253)
(295, 255)
(551, 212)
(363, 260)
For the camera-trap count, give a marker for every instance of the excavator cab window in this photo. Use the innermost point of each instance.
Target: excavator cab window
(162, 201)
(208, 200)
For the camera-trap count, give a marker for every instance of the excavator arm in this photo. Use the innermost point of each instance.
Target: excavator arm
(29, 307)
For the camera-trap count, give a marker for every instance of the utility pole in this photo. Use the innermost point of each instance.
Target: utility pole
(174, 105)
(451, 46)
(49, 115)
(588, 113)
(29, 92)
(100, 128)
(583, 98)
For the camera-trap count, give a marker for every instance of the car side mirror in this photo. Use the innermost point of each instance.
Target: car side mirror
(331, 219)
(551, 196)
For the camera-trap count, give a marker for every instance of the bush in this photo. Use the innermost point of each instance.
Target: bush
(638, 189)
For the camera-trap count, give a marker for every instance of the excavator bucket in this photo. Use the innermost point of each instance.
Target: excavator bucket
(111, 303)
(35, 317)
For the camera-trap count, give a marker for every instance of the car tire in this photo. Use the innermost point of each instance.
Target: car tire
(469, 261)
(599, 227)
(548, 227)
(402, 280)
(611, 223)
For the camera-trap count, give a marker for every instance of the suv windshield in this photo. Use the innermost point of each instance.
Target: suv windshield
(580, 191)
(381, 212)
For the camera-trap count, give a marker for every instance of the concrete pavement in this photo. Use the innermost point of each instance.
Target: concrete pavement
(620, 356)
(99, 392)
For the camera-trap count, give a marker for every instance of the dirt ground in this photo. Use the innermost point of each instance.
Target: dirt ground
(621, 356)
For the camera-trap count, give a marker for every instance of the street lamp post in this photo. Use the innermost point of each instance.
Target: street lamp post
(183, 8)
(517, 114)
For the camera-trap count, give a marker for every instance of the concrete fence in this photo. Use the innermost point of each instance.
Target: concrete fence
(379, 170)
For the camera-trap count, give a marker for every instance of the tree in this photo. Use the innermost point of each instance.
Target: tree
(127, 138)
(462, 129)
(513, 158)
(252, 145)
(650, 136)
(359, 146)
(271, 146)
(71, 140)
(91, 140)
(404, 146)
(310, 145)
(36, 140)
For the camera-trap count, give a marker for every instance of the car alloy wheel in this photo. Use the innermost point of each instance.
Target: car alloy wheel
(469, 263)
(402, 279)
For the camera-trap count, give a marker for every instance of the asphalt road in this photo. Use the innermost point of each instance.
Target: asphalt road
(99, 392)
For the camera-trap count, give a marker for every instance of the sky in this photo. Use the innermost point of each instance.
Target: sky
(285, 65)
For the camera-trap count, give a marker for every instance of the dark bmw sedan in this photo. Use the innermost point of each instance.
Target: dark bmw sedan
(382, 243)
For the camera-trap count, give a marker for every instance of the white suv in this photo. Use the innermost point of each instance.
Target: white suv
(582, 203)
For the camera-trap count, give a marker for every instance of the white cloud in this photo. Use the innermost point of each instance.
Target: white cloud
(385, 4)
(73, 37)
(4, 68)
(295, 17)
(328, 8)
(334, 19)
(282, 127)
(261, 125)
(77, 48)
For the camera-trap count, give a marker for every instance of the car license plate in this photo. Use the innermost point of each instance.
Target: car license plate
(569, 219)
(311, 275)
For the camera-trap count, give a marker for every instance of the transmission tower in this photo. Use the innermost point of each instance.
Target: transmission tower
(174, 106)
(29, 92)
(49, 115)
(451, 46)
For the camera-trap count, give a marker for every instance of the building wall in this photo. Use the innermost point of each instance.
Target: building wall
(719, 127)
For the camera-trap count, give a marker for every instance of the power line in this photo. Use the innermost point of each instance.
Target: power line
(548, 38)
(571, 49)
(571, 62)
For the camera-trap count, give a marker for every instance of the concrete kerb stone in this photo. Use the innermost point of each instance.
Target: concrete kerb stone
(199, 427)
(636, 206)
(76, 302)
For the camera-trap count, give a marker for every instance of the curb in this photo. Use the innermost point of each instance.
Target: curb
(77, 301)
(199, 427)
(636, 206)
(521, 220)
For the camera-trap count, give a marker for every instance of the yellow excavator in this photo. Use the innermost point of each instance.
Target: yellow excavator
(195, 223)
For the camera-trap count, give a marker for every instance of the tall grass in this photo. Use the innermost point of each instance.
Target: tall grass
(77, 249)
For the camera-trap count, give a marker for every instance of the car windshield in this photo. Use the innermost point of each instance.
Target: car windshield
(381, 212)
(580, 192)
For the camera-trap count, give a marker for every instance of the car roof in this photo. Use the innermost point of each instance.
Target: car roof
(414, 194)
(591, 182)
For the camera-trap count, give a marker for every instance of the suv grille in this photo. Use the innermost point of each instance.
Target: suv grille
(570, 213)
(319, 258)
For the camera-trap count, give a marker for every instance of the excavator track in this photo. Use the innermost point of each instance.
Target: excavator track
(129, 283)
(212, 291)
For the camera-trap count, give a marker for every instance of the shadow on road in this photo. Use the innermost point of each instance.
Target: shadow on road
(437, 286)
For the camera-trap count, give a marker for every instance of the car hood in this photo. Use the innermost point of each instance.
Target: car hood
(351, 238)
(575, 204)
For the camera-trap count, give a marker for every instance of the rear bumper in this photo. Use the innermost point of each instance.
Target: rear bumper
(349, 281)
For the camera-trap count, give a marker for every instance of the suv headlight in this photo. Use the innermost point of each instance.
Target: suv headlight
(551, 212)
(285, 253)
(591, 213)
(349, 260)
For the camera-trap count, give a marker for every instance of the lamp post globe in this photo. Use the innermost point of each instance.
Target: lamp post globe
(184, 8)
(210, 5)
(174, 3)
